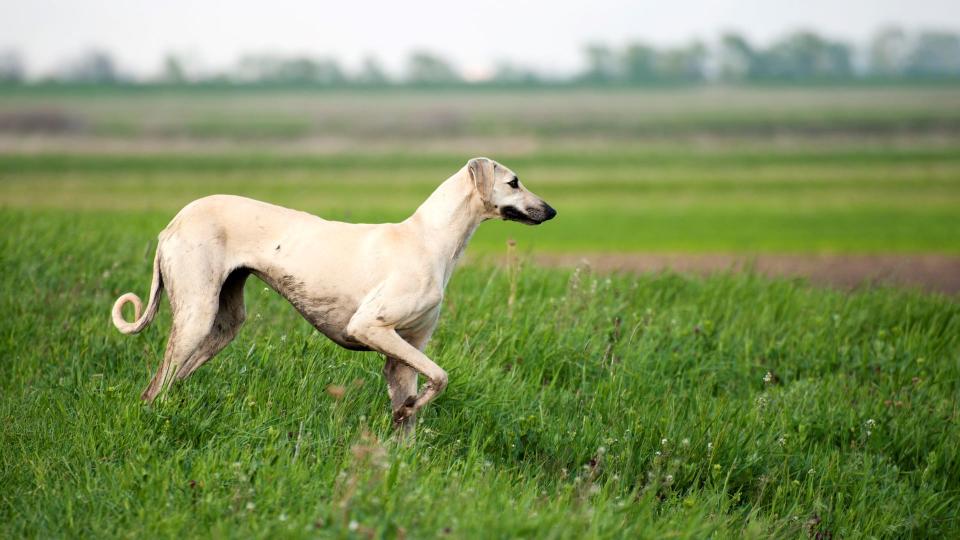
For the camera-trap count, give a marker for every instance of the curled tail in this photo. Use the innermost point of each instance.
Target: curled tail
(140, 321)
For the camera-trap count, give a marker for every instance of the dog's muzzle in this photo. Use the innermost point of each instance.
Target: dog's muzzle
(534, 215)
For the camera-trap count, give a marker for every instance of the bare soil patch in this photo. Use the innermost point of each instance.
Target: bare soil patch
(930, 272)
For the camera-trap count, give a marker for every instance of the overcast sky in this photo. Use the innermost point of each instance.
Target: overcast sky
(544, 34)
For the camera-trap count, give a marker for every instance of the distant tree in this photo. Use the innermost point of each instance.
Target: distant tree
(887, 52)
(173, 70)
(837, 61)
(682, 64)
(326, 71)
(11, 67)
(372, 73)
(323, 71)
(251, 67)
(935, 54)
(272, 69)
(428, 68)
(639, 63)
(805, 56)
(93, 67)
(602, 64)
(508, 73)
(295, 71)
(736, 58)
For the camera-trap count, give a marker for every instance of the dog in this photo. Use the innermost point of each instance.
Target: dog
(367, 287)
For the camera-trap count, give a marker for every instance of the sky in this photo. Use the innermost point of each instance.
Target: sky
(546, 35)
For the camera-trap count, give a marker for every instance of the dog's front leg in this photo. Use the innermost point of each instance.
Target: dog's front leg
(384, 339)
(401, 386)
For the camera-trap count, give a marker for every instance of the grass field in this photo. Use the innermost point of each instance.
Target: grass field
(598, 406)
(847, 200)
(865, 170)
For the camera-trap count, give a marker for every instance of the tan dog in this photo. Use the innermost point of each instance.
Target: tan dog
(366, 287)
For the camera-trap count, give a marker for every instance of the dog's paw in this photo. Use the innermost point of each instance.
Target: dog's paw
(400, 415)
(404, 411)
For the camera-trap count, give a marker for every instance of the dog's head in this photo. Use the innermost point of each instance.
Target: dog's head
(504, 196)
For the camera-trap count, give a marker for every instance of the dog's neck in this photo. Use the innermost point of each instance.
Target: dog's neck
(449, 217)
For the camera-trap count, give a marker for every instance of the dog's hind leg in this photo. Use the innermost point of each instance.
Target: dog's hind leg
(202, 327)
(226, 325)
(194, 286)
(192, 321)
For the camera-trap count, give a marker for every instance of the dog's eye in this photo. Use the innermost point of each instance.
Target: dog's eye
(515, 183)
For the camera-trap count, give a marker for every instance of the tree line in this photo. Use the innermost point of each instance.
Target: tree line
(798, 57)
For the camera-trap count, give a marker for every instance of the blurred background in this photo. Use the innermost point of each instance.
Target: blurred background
(811, 139)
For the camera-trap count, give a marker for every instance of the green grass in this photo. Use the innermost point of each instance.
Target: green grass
(595, 407)
(628, 406)
(865, 198)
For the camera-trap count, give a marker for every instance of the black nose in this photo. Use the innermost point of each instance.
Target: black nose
(550, 212)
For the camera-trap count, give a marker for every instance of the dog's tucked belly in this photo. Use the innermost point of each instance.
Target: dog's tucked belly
(328, 314)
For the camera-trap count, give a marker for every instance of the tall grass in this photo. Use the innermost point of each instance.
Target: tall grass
(592, 406)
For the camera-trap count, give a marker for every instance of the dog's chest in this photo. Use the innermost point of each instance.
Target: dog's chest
(330, 316)
(327, 312)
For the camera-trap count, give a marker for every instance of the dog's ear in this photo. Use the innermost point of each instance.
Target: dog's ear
(481, 172)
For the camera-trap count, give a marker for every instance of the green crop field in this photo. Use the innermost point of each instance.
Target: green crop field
(838, 170)
(868, 200)
(568, 113)
(593, 406)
